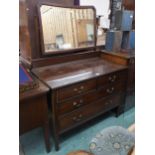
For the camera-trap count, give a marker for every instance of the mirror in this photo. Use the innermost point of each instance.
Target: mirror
(66, 29)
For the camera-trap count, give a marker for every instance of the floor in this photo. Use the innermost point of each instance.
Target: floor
(33, 142)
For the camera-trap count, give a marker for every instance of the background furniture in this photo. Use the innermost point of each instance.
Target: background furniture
(33, 111)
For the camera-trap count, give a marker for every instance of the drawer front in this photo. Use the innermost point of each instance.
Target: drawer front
(112, 78)
(111, 90)
(76, 89)
(89, 111)
(78, 102)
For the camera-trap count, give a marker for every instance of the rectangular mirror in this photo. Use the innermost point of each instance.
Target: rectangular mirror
(66, 29)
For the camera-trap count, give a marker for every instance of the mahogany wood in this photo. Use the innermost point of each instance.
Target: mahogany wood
(86, 98)
(125, 58)
(76, 89)
(30, 47)
(86, 112)
(128, 4)
(100, 82)
(63, 58)
(34, 57)
(79, 86)
(33, 111)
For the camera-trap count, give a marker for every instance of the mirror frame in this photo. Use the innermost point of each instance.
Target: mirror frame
(65, 51)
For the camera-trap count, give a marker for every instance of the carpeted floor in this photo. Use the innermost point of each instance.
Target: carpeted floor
(33, 142)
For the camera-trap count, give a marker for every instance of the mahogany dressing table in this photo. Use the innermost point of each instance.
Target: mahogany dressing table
(83, 85)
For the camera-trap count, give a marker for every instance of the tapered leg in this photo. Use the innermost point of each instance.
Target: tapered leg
(56, 139)
(47, 137)
(119, 111)
(57, 146)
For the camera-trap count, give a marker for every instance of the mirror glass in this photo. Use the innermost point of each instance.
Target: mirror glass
(67, 28)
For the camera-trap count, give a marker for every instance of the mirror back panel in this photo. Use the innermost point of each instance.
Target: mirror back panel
(65, 29)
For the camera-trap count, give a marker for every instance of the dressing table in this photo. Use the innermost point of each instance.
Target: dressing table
(82, 84)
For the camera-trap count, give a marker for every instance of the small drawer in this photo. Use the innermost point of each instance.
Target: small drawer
(89, 111)
(76, 89)
(111, 89)
(77, 102)
(112, 78)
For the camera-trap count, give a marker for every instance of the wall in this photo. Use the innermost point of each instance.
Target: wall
(102, 6)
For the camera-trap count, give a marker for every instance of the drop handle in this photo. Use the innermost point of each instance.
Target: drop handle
(108, 102)
(76, 105)
(77, 118)
(112, 78)
(75, 89)
(82, 87)
(79, 90)
(110, 90)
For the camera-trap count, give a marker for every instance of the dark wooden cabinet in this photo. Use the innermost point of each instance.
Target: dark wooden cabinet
(33, 111)
(78, 94)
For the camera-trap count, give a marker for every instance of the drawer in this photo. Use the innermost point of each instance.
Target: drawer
(77, 102)
(112, 78)
(111, 89)
(76, 89)
(89, 111)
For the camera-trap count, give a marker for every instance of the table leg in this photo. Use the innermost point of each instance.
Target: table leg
(47, 137)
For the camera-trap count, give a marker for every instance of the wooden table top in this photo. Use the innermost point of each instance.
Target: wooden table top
(34, 92)
(63, 74)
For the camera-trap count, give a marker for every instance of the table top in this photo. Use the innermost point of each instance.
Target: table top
(41, 89)
(60, 75)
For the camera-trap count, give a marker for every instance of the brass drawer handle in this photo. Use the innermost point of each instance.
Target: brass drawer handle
(112, 78)
(75, 89)
(77, 118)
(76, 105)
(110, 90)
(79, 90)
(108, 102)
(82, 87)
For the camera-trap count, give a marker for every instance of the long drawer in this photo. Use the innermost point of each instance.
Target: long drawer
(89, 111)
(112, 78)
(79, 101)
(76, 89)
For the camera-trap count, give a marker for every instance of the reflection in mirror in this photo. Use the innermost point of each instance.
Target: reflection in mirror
(67, 28)
(103, 13)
